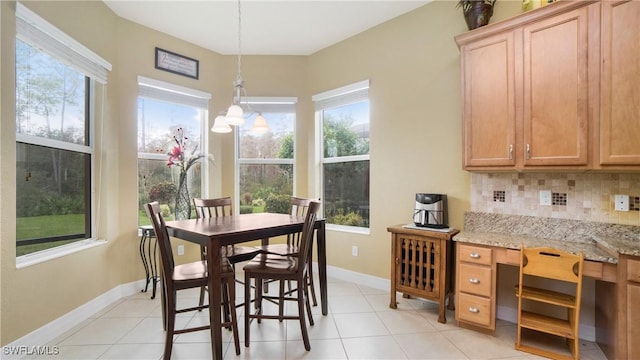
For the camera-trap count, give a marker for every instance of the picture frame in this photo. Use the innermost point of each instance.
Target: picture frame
(178, 64)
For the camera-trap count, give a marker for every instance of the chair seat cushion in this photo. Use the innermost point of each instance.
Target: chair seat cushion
(197, 270)
(273, 264)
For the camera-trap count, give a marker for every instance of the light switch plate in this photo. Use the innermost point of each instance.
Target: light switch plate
(545, 197)
(621, 202)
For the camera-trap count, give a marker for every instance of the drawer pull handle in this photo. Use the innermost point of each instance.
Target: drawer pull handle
(474, 280)
(474, 310)
(474, 255)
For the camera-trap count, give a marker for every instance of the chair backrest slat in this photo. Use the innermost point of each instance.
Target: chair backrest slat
(299, 206)
(206, 208)
(306, 236)
(162, 236)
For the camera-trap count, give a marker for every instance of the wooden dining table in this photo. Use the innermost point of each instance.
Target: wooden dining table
(229, 230)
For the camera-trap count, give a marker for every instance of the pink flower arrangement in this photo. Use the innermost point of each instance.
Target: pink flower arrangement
(177, 153)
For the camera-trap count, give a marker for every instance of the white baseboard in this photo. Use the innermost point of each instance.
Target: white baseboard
(66, 322)
(358, 278)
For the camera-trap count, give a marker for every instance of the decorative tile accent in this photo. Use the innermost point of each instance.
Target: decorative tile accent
(559, 199)
(499, 196)
(587, 197)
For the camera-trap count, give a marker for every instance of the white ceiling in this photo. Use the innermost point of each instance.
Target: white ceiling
(294, 27)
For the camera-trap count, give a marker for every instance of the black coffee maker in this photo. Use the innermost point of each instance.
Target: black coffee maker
(431, 211)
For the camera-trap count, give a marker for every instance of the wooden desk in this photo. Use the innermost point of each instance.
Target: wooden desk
(476, 276)
(421, 264)
(216, 232)
(615, 315)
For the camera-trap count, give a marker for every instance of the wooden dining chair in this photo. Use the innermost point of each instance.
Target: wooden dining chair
(557, 268)
(221, 207)
(298, 207)
(188, 276)
(266, 267)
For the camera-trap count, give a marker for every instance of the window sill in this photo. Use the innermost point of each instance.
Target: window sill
(349, 229)
(60, 251)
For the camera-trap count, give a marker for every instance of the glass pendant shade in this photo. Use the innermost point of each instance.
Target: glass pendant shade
(260, 125)
(234, 115)
(220, 125)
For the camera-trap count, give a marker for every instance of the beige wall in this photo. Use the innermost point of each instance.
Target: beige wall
(413, 66)
(412, 63)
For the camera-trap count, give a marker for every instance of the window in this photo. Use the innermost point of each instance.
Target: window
(55, 83)
(166, 111)
(265, 163)
(343, 118)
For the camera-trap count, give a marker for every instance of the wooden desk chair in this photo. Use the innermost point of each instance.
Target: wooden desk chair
(221, 207)
(266, 267)
(299, 207)
(563, 268)
(187, 276)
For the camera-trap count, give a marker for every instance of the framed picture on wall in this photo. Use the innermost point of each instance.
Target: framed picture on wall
(176, 63)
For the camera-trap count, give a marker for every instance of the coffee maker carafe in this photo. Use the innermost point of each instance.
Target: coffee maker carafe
(431, 211)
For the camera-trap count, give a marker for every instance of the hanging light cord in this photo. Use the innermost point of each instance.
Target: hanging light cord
(239, 78)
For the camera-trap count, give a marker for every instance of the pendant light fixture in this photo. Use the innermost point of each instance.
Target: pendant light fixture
(260, 125)
(235, 113)
(220, 125)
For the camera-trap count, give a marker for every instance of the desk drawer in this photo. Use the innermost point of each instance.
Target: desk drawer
(475, 279)
(474, 254)
(474, 309)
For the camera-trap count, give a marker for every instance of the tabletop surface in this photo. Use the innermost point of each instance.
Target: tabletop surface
(236, 224)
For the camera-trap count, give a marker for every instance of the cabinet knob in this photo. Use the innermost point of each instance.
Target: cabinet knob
(474, 280)
(510, 151)
(528, 151)
(474, 310)
(474, 256)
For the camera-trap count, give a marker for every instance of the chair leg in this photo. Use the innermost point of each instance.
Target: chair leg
(231, 309)
(163, 302)
(247, 307)
(303, 322)
(171, 322)
(258, 300)
(308, 305)
(202, 291)
(227, 299)
(281, 300)
(310, 283)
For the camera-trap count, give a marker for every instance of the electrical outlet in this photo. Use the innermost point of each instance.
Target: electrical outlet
(180, 249)
(354, 250)
(545, 197)
(621, 202)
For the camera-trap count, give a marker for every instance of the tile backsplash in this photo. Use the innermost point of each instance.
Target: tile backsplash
(583, 196)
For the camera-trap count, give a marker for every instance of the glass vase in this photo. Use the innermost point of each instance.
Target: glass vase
(183, 201)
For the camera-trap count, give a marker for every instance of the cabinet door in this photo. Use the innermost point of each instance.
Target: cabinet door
(620, 83)
(633, 318)
(489, 102)
(555, 89)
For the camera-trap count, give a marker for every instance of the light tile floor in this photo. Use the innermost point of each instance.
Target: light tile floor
(360, 325)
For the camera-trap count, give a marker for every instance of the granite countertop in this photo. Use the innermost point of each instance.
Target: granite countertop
(597, 241)
(591, 250)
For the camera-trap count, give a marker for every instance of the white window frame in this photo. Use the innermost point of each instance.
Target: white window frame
(39, 33)
(265, 104)
(165, 91)
(341, 96)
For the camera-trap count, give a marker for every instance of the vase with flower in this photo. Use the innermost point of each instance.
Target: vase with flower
(476, 12)
(179, 158)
